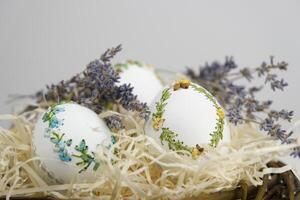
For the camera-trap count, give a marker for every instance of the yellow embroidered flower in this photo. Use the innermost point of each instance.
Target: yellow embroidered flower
(176, 86)
(220, 113)
(196, 151)
(157, 123)
(183, 83)
(130, 62)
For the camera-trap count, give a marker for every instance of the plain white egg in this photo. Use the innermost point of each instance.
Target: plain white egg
(143, 78)
(191, 113)
(65, 138)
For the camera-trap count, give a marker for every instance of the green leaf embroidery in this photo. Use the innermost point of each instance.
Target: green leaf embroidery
(173, 144)
(170, 136)
(86, 158)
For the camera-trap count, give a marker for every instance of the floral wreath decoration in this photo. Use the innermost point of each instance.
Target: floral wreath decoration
(170, 136)
(120, 67)
(53, 132)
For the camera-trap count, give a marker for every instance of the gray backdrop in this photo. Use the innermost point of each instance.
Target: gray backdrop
(42, 42)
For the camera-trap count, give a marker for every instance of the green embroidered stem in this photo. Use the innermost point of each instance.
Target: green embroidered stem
(120, 66)
(158, 120)
(170, 136)
(86, 158)
(173, 144)
(160, 106)
(206, 93)
(157, 117)
(217, 134)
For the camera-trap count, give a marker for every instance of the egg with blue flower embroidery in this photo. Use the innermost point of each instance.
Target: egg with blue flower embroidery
(185, 116)
(65, 139)
(142, 77)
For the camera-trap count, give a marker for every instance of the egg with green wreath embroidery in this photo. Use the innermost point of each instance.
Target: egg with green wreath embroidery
(142, 77)
(185, 116)
(65, 138)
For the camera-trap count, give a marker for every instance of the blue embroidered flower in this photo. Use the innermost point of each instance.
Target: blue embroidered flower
(68, 142)
(55, 123)
(60, 146)
(59, 109)
(113, 139)
(52, 131)
(50, 117)
(64, 155)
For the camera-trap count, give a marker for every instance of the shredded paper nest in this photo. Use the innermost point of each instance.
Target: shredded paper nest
(137, 167)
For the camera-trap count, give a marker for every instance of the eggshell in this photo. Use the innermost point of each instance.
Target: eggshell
(190, 114)
(146, 83)
(69, 121)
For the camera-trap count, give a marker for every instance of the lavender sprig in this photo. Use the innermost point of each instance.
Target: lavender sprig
(110, 53)
(96, 88)
(114, 122)
(240, 101)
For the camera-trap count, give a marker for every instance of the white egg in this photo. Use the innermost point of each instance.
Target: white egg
(185, 115)
(146, 83)
(65, 138)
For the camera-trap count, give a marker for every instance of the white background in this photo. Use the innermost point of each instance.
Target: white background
(43, 42)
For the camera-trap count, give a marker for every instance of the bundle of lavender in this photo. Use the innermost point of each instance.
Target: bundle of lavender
(124, 131)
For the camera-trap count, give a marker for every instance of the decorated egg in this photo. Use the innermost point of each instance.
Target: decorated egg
(65, 138)
(185, 116)
(142, 77)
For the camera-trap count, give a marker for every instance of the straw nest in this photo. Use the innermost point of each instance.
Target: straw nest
(136, 167)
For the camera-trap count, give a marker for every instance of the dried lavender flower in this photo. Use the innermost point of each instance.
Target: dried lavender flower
(114, 122)
(221, 79)
(246, 73)
(96, 88)
(278, 84)
(126, 96)
(234, 116)
(110, 53)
